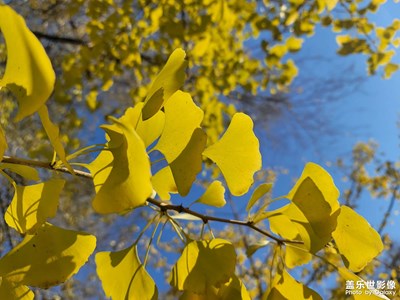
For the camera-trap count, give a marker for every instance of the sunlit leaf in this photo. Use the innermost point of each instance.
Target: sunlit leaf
(3, 143)
(167, 82)
(323, 181)
(123, 276)
(27, 172)
(214, 195)
(331, 4)
(258, 193)
(233, 290)
(357, 241)
(182, 117)
(204, 264)
(121, 175)
(48, 257)
(189, 163)
(29, 74)
(254, 247)
(186, 217)
(53, 133)
(150, 129)
(312, 215)
(13, 291)
(237, 154)
(364, 293)
(294, 44)
(32, 205)
(164, 184)
(296, 255)
(285, 286)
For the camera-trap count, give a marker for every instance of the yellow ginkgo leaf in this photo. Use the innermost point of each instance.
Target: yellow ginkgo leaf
(233, 290)
(29, 74)
(123, 276)
(27, 172)
(164, 183)
(284, 286)
(259, 192)
(3, 143)
(363, 292)
(13, 291)
(296, 255)
(53, 133)
(323, 182)
(167, 82)
(189, 163)
(203, 265)
(148, 130)
(312, 215)
(356, 252)
(122, 177)
(32, 205)
(237, 154)
(214, 195)
(182, 117)
(48, 257)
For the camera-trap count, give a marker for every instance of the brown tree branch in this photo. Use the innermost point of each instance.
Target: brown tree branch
(162, 205)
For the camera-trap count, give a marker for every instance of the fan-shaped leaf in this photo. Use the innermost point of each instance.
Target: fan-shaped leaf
(122, 177)
(12, 291)
(214, 195)
(204, 264)
(32, 205)
(182, 117)
(53, 133)
(29, 74)
(237, 154)
(285, 286)
(357, 241)
(259, 192)
(123, 276)
(27, 172)
(167, 82)
(164, 183)
(48, 257)
(189, 163)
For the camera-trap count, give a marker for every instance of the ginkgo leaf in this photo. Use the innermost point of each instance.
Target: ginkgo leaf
(365, 293)
(53, 133)
(148, 130)
(32, 205)
(123, 276)
(233, 290)
(296, 255)
(164, 184)
(237, 154)
(323, 181)
(214, 195)
(182, 117)
(189, 163)
(27, 172)
(204, 264)
(254, 247)
(280, 223)
(284, 286)
(259, 192)
(167, 82)
(13, 291)
(29, 74)
(312, 215)
(48, 257)
(357, 242)
(121, 175)
(3, 143)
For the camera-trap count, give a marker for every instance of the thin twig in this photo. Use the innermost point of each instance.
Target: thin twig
(163, 206)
